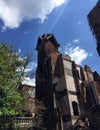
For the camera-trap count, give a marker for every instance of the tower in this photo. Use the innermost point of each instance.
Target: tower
(52, 86)
(46, 47)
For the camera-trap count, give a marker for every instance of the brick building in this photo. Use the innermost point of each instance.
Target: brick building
(70, 93)
(28, 93)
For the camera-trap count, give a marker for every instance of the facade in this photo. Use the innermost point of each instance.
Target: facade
(28, 89)
(28, 93)
(70, 93)
(94, 21)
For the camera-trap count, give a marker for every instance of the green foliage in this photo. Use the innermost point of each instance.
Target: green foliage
(12, 102)
(10, 99)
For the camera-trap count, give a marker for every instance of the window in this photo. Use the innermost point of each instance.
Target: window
(75, 108)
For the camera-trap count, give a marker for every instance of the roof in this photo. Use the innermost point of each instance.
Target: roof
(47, 37)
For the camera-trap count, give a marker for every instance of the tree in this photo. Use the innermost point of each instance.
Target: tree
(12, 102)
(10, 98)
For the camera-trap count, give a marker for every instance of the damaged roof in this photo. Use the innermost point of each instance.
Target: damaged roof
(47, 37)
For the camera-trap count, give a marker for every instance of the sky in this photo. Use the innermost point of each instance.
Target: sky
(22, 22)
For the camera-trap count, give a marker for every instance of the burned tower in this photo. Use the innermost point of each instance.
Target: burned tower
(68, 91)
(55, 84)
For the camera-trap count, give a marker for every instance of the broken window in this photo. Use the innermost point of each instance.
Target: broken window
(75, 108)
(77, 74)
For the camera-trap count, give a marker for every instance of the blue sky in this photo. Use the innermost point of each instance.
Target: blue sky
(21, 23)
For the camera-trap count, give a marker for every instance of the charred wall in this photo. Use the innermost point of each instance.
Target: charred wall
(68, 90)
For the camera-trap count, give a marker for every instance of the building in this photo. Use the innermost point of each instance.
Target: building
(70, 93)
(28, 93)
(94, 22)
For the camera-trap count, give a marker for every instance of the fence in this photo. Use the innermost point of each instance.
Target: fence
(19, 123)
(22, 121)
(25, 123)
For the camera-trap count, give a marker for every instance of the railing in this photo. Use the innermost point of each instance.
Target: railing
(23, 121)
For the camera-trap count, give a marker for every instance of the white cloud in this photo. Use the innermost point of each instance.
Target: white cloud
(77, 54)
(30, 67)
(19, 50)
(28, 81)
(76, 41)
(13, 12)
(3, 29)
